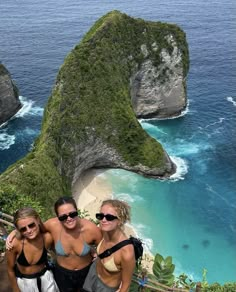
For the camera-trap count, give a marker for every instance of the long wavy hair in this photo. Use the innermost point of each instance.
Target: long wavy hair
(121, 207)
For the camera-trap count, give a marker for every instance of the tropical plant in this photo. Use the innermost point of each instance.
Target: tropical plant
(204, 283)
(163, 269)
(183, 280)
(216, 287)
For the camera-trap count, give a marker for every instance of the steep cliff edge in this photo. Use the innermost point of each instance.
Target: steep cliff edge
(159, 91)
(9, 96)
(89, 120)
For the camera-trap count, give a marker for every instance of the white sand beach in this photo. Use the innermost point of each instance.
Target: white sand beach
(89, 191)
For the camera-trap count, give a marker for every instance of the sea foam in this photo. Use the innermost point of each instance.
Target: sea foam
(181, 170)
(231, 99)
(6, 140)
(128, 198)
(28, 108)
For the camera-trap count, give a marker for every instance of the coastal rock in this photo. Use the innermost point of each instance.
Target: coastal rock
(89, 121)
(160, 91)
(9, 96)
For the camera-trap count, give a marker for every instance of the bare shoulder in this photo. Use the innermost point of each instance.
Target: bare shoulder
(127, 252)
(48, 240)
(91, 231)
(87, 224)
(51, 224)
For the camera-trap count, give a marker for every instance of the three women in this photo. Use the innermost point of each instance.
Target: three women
(73, 238)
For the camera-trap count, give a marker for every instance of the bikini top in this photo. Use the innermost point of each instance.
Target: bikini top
(61, 252)
(22, 260)
(109, 265)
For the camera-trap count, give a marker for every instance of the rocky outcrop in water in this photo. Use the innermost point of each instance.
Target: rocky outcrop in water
(90, 122)
(9, 96)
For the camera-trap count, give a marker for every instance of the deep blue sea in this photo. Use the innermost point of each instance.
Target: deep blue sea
(191, 217)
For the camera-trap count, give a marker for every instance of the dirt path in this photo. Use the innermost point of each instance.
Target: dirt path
(4, 282)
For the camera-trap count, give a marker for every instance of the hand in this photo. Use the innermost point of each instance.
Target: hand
(9, 240)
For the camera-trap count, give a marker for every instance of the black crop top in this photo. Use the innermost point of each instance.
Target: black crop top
(21, 260)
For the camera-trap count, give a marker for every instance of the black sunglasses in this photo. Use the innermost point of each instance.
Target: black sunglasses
(65, 216)
(30, 226)
(109, 217)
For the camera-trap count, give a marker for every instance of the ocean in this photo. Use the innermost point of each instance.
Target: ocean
(192, 216)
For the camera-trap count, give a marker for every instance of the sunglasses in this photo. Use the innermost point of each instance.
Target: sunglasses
(109, 217)
(65, 216)
(30, 226)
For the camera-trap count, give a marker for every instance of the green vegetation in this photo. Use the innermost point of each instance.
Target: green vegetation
(90, 104)
(216, 287)
(184, 281)
(163, 279)
(163, 269)
(10, 201)
(31, 181)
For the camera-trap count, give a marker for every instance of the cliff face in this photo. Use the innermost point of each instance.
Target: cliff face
(160, 91)
(90, 121)
(9, 97)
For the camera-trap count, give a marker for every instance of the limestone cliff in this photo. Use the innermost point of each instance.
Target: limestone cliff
(160, 91)
(89, 120)
(9, 96)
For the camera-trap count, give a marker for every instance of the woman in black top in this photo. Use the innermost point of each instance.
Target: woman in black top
(27, 261)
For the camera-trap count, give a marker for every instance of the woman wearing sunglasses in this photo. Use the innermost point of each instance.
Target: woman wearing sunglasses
(73, 240)
(27, 262)
(112, 273)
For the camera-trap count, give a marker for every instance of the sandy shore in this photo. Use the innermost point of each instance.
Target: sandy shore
(89, 191)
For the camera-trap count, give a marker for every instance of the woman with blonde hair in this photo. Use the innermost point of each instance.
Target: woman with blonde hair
(112, 273)
(27, 262)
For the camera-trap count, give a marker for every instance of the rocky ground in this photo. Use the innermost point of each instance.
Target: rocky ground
(4, 286)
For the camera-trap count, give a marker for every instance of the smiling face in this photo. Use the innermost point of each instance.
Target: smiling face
(28, 227)
(105, 224)
(67, 215)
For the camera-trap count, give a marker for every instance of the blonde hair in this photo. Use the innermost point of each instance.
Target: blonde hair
(24, 213)
(121, 207)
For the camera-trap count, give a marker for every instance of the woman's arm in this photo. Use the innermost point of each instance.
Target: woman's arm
(127, 267)
(48, 240)
(11, 259)
(9, 240)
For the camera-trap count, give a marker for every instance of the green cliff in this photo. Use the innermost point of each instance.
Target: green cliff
(89, 120)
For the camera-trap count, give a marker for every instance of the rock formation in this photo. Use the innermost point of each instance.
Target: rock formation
(160, 91)
(9, 96)
(89, 120)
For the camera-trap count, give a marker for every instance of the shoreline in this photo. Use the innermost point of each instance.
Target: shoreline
(89, 191)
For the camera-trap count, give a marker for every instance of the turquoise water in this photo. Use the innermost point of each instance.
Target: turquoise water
(170, 226)
(193, 216)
